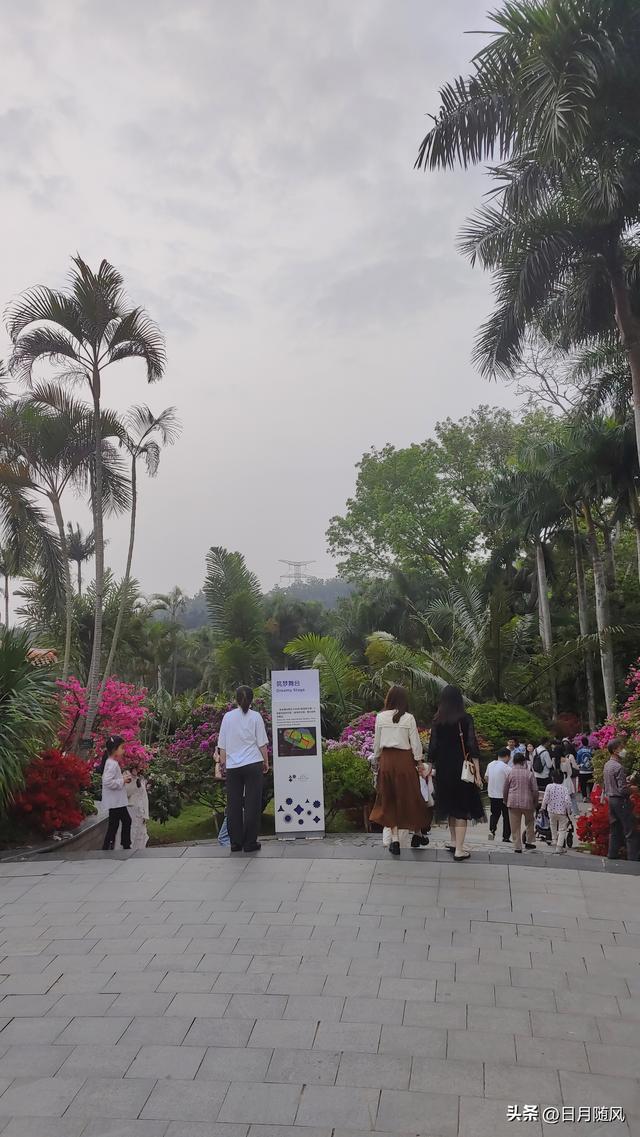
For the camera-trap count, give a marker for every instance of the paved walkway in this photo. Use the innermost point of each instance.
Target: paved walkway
(298, 995)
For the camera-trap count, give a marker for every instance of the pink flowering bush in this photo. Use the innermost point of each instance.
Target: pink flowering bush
(358, 735)
(624, 724)
(121, 711)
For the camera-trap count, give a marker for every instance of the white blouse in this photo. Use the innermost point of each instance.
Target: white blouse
(401, 735)
(114, 794)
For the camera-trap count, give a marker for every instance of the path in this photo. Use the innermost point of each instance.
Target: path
(300, 995)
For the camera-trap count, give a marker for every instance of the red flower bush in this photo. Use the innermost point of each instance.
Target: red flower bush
(593, 828)
(51, 799)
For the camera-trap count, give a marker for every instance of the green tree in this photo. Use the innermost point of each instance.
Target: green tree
(80, 549)
(83, 332)
(29, 712)
(552, 95)
(236, 615)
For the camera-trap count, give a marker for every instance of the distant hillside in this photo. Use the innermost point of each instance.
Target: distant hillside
(327, 592)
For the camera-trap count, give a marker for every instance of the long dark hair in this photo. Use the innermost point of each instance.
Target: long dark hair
(111, 745)
(397, 700)
(451, 705)
(244, 698)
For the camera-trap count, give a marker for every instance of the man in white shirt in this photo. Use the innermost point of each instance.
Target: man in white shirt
(495, 778)
(542, 766)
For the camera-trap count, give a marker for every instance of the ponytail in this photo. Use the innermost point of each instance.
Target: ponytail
(111, 745)
(244, 698)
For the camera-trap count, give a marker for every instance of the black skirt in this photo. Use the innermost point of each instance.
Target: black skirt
(453, 797)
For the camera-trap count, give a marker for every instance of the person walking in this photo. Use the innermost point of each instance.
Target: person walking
(617, 788)
(584, 758)
(495, 779)
(454, 753)
(569, 769)
(520, 795)
(397, 753)
(243, 749)
(557, 802)
(542, 765)
(114, 794)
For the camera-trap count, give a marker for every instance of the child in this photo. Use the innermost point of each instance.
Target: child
(557, 802)
(114, 794)
(495, 778)
(138, 807)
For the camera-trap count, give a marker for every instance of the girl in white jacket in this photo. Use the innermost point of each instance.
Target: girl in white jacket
(114, 794)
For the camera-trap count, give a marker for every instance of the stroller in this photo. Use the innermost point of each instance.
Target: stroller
(543, 829)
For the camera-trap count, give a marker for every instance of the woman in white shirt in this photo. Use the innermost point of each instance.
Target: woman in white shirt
(114, 794)
(244, 754)
(397, 751)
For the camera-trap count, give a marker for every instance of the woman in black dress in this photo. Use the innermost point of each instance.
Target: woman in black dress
(453, 736)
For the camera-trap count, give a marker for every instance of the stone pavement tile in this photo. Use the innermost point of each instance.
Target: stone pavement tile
(288, 1131)
(119, 1098)
(334, 1036)
(560, 1053)
(487, 1117)
(27, 1006)
(26, 964)
(375, 1071)
(519, 1084)
(545, 978)
(269, 1033)
(99, 1061)
(364, 986)
(236, 1064)
(629, 1009)
(612, 1032)
(584, 1028)
(20, 1031)
(114, 1127)
(412, 1040)
(472, 994)
(166, 1031)
(93, 1031)
(433, 1075)
(44, 1127)
(362, 1010)
(298, 983)
(217, 1032)
(231, 983)
(426, 969)
(37, 984)
(408, 989)
(218, 961)
(138, 1004)
(503, 1020)
(528, 998)
(474, 1045)
(87, 1005)
(346, 1106)
(191, 1005)
(380, 966)
(599, 1089)
(178, 982)
(166, 1062)
(578, 1129)
(436, 1015)
(39, 1097)
(305, 1067)
(326, 1007)
(619, 1061)
(209, 1129)
(419, 1113)
(38, 1060)
(249, 1006)
(573, 1002)
(264, 1103)
(495, 974)
(275, 964)
(185, 1101)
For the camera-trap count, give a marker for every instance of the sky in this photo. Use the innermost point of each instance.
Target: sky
(248, 166)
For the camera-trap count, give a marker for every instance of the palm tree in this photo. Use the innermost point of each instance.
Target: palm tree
(340, 678)
(551, 95)
(6, 572)
(84, 331)
(47, 443)
(174, 603)
(236, 614)
(80, 549)
(139, 440)
(29, 712)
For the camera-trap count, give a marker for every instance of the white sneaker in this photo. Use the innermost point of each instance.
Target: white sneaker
(491, 836)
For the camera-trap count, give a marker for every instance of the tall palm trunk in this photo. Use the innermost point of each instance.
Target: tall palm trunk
(609, 559)
(602, 611)
(6, 602)
(583, 618)
(125, 583)
(68, 587)
(546, 632)
(96, 502)
(79, 578)
(634, 509)
(629, 329)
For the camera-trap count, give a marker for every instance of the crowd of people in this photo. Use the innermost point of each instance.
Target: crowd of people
(532, 787)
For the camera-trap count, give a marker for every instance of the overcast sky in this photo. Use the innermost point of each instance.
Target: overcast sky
(248, 166)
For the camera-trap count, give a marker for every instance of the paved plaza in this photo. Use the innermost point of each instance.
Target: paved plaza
(181, 993)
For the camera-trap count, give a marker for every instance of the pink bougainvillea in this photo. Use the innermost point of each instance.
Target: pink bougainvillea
(121, 711)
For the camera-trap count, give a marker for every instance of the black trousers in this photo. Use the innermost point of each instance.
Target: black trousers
(622, 828)
(499, 810)
(586, 782)
(244, 804)
(117, 817)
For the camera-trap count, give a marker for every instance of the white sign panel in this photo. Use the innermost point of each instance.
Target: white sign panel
(297, 753)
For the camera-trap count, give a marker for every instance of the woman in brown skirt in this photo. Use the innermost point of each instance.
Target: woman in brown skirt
(398, 754)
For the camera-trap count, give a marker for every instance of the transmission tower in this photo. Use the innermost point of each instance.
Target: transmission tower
(295, 574)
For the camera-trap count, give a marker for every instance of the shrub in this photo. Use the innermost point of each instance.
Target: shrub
(165, 783)
(121, 711)
(499, 721)
(29, 713)
(53, 797)
(593, 828)
(347, 780)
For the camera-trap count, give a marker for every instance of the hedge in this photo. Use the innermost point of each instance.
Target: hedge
(499, 721)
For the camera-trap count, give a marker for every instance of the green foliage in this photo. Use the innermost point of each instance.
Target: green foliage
(340, 679)
(347, 780)
(234, 601)
(29, 713)
(499, 721)
(166, 786)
